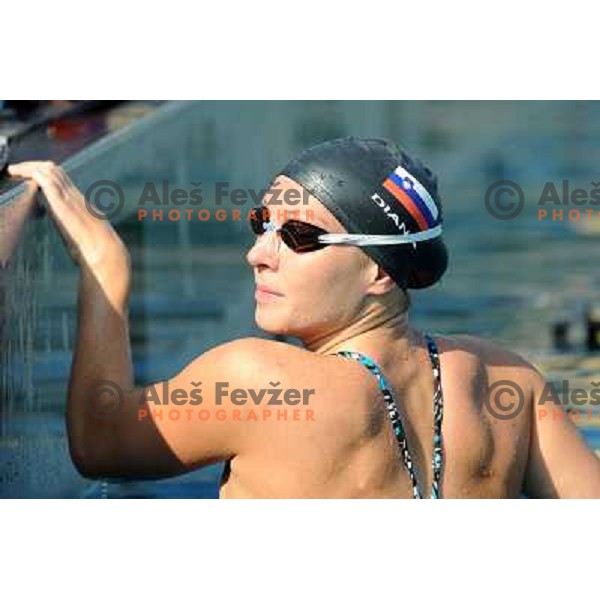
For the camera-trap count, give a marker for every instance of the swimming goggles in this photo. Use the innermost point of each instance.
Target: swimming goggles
(301, 236)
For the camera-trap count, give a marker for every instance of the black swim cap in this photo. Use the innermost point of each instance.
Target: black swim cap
(373, 187)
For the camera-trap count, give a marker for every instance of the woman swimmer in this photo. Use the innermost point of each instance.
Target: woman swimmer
(395, 412)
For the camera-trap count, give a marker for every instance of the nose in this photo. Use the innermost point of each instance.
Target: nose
(265, 250)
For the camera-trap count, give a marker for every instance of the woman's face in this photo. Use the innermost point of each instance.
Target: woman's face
(314, 293)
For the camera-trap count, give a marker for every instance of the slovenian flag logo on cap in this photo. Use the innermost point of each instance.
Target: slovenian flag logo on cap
(413, 197)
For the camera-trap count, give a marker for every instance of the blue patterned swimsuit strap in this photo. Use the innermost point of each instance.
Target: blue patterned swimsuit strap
(437, 460)
(438, 416)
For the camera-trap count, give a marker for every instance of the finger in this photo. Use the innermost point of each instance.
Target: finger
(30, 169)
(50, 186)
(26, 168)
(65, 201)
(53, 172)
(46, 176)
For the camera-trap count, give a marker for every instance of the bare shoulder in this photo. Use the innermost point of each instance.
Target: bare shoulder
(256, 362)
(254, 348)
(483, 349)
(250, 357)
(466, 353)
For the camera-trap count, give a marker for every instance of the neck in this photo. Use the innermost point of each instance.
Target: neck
(374, 333)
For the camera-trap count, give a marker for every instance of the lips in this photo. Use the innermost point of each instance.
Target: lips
(265, 289)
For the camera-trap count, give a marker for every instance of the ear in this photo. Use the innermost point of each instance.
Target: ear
(382, 284)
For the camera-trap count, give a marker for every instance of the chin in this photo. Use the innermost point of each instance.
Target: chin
(277, 322)
(270, 322)
(282, 324)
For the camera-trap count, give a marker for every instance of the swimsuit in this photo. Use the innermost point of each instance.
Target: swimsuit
(438, 405)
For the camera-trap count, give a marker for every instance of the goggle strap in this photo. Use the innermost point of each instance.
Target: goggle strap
(359, 239)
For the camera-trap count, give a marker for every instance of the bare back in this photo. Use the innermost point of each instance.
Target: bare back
(348, 448)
